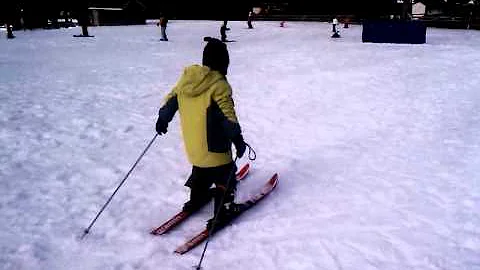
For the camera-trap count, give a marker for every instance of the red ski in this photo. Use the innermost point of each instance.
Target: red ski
(182, 215)
(202, 236)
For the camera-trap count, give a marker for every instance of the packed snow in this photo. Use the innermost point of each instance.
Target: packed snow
(377, 147)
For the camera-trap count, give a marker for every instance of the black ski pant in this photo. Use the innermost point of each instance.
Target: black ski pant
(201, 181)
(163, 30)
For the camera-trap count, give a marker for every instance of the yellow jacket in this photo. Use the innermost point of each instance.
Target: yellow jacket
(208, 120)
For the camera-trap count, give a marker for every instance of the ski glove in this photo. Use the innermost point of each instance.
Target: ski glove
(161, 126)
(240, 145)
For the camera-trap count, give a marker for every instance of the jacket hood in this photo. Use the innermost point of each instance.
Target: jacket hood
(197, 79)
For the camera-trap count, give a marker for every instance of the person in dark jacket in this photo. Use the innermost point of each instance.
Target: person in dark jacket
(209, 125)
(8, 12)
(10, 31)
(83, 17)
(163, 27)
(249, 20)
(223, 31)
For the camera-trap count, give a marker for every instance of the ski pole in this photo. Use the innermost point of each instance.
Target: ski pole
(251, 156)
(199, 266)
(87, 230)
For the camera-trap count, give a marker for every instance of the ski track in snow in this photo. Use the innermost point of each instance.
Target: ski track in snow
(376, 146)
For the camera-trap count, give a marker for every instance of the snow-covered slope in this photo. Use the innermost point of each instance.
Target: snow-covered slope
(376, 146)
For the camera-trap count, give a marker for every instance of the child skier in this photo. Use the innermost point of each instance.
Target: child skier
(209, 125)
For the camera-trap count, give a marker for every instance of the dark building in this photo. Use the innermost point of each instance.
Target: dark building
(128, 13)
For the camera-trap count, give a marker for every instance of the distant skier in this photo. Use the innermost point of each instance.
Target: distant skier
(282, 24)
(209, 125)
(249, 20)
(346, 23)
(334, 25)
(223, 31)
(10, 31)
(84, 21)
(336, 33)
(83, 17)
(8, 14)
(163, 27)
